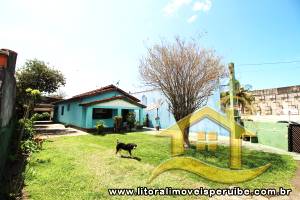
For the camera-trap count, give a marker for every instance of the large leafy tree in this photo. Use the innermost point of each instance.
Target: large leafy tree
(185, 73)
(38, 75)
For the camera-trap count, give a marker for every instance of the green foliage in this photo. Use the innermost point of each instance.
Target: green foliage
(29, 146)
(32, 95)
(29, 131)
(131, 119)
(39, 75)
(243, 97)
(40, 117)
(100, 125)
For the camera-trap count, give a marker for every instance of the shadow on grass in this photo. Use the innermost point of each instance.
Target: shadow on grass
(108, 133)
(250, 158)
(129, 157)
(122, 132)
(282, 166)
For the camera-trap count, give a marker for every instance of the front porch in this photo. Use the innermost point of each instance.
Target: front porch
(107, 111)
(107, 115)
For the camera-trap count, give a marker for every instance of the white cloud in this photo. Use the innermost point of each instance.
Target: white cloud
(202, 5)
(192, 19)
(175, 5)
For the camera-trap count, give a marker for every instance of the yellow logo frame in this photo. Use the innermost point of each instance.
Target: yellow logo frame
(233, 175)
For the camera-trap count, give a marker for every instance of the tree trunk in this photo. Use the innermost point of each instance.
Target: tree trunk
(185, 131)
(186, 138)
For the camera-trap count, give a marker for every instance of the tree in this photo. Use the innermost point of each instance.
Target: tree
(243, 98)
(37, 75)
(185, 73)
(40, 76)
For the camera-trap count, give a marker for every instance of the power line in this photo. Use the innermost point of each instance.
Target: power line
(270, 63)
(266, 69)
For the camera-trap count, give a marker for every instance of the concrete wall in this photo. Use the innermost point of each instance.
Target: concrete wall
(271, 134)
(7, 106)
(281, 102)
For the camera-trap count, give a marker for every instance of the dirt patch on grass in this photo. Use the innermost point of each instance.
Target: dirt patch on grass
(296, 180)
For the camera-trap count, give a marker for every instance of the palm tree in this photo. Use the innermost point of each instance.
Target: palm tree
(243, 97)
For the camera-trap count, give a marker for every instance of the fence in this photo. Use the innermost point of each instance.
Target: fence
(294, 138)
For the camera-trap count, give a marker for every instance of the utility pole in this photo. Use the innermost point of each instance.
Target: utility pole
(235, 140)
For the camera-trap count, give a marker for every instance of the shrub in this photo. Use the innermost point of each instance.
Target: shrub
(100, 125)
(29, 146)
(131, 120)
(40, 117)
(45, 116)
(29, 131)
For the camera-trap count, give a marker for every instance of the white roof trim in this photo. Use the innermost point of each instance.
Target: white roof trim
(118, 103)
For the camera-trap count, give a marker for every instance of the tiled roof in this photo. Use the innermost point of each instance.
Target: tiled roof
(111, 99)
(102, 90)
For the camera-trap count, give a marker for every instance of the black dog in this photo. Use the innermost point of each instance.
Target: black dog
(127, 147)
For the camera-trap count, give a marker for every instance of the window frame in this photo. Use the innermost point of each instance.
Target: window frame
(104, 115)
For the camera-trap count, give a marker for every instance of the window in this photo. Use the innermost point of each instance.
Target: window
(101, 113)
(68, 107)
(62, 110)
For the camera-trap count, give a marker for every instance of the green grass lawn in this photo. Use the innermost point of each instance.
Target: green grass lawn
(84, 167)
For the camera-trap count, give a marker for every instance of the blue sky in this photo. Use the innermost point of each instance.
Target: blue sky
(95, 43)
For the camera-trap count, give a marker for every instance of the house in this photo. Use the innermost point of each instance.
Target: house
(85, 109)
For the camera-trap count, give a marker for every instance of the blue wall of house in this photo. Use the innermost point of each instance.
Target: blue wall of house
(81, 116)
(73, 116)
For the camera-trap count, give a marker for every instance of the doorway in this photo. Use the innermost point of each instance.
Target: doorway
(124, 115)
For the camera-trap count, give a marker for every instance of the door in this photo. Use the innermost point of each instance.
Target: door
(124, 115)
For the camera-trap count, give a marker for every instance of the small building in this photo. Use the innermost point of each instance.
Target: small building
(85, 109)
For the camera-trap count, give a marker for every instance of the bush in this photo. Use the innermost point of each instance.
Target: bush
(29, 146)
(40, 117)
(29, 131)
(131, 120)
(100, 125)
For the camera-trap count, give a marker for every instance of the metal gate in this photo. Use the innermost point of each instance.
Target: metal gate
(294, 138)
